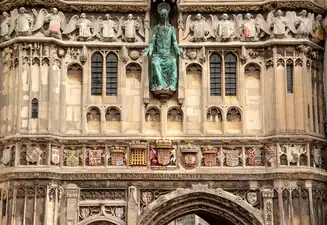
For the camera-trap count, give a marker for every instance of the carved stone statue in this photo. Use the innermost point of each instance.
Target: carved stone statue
(163, 48)
(55, 19)
(304, 23)
(131, 27)
(318, 32)
(109, 28)
(199, 27)
(83, 25)
(226, 29)
(24, 23)
(252, 28)
(280, 25)
(4, 26)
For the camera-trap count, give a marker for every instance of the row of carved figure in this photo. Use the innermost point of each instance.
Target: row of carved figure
(250, 28)
(55, 24)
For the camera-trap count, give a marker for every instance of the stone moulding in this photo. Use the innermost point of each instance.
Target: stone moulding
(209, 7)
(79, 6)
(267, 43)
(157, 176)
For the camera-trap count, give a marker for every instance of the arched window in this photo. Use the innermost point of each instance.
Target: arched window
(35, 108)
(215, 75)
(96, 80)
(230, 75)
(289, 74)
(111, 75)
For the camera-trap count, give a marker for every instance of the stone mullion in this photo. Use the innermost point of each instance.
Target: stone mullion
(29, 81)
(84, 154)
(50, 93)
(204, 95)
(298, 96)
(19, 93)
(25, 205)
(72, 195)
(46, 206)
(163, 119)
(62, 98)
(312, 216)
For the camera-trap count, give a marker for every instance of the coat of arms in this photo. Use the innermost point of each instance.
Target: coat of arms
(6, 155)
(189, 158)
(271, 155)
(119, 212)
(55, 155)
(232, 158)
(254, 156)
(209, 156)
(95, 157)
(72, 157)
(117, 156)
(161, 153)
(252, 198)
(147, 197)
(33, 154)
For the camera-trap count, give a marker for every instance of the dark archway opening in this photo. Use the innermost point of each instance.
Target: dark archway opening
(200, 218)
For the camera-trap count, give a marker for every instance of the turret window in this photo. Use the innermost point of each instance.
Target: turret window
(96, 80)
(289, 74)
(35, 108)
(111, 75)
(215, 75)
(223, 68)
(107, 69)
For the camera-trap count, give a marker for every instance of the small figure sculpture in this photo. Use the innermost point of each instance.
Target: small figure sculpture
(226, 29)
(4, 26)
(131, 27)
(199, 28)
(24, 23)
(83, 25)
(318, 32)
(304, 23)
(252, 28)
(280, 25)
(55, 19)
(163, 48)
(108, 28)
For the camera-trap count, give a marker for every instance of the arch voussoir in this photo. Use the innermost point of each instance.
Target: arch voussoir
(215, 201)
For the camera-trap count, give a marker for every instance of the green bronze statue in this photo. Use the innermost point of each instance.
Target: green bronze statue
(163, 49)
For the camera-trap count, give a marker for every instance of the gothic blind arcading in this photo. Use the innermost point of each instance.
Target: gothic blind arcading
(289, 73)
(230, 75)
(111, 75)
(96, 80)
(215, 75)
(35, 108)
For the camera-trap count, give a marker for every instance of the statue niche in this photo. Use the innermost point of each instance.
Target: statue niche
(163, 50)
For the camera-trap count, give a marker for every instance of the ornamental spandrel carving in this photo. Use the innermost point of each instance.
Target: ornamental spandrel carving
(86, 212)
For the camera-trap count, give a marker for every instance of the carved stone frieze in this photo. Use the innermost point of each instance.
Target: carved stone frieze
(81, 6)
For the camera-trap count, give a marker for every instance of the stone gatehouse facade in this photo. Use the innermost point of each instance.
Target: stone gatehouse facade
(84, 140)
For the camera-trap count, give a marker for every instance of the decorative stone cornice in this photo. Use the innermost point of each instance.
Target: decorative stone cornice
(222, 6)
(78, 6)
(92, 44)
(142, 176)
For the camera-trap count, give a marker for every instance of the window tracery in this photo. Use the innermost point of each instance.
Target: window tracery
(96, 73)
(35, 108)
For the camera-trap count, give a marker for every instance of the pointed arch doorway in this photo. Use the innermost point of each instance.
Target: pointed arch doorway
(216, 206)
